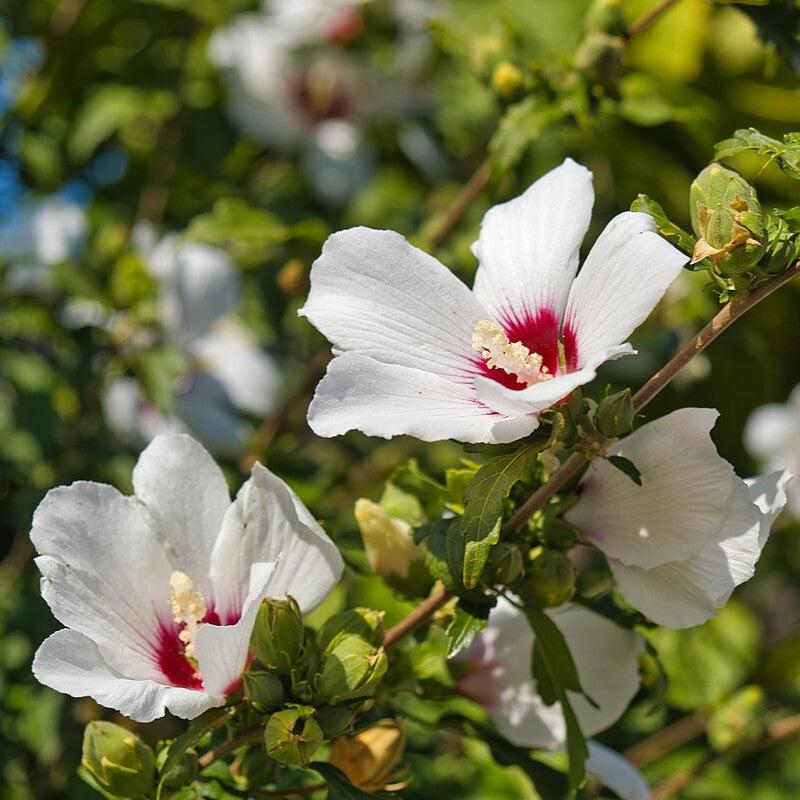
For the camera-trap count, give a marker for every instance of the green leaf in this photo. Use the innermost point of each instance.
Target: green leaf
(410, 478)
(444, 551)
(483, 508)
(785, 153)
(189, 738)
(469, 620)
(554, 671)
(339, 787)
(520, 127)
(627, 466)
(669, 230)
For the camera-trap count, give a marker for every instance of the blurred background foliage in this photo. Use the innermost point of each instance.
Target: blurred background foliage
(125, 120)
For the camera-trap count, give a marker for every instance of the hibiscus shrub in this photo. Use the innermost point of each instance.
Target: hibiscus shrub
(355, 403)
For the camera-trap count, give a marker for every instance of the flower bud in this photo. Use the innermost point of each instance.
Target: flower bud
(263, 689)
(559, 534)
(739, 720)
(362, 622)
(601, 55)
(353, 668)
(392, 552)
(292, 736)
(614, 416)
(605, 15)
(726, 216)
(369, 758)
(506, 80)
(336, 720)
(278, 635)
(549, 579)
(118, 760)
(505, 564)
(185, 771)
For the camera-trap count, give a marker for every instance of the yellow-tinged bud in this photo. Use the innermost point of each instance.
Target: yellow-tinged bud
(388, 542)
(549, 579)
(726, 217)
(278, 635)
(739, 720)
(506, 80)
(118, 760)
(292, 736)
(370, 757)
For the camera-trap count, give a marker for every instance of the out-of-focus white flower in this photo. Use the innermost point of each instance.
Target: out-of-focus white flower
(417, 352)
(606, 656)
(772, 435)
(37, 234)
(159, 591)
(679, 544)
(199, 290)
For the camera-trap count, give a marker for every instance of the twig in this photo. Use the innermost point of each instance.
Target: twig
(648, 18)
(776, 732)
(226, 748)
(667, 739)
(424, 611)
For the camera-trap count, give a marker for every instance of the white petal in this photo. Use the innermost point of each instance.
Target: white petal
(605, 655)
(360, 393)
(374, 294)
(772, 432)
(268, 523)
(185, 498)
(104, 573)
(249, 376)
(198, 285)
(222, 649)
(684, 495)
(528, 247)
(625, 275)
(616, 772)
(688, 592)
(70, 663)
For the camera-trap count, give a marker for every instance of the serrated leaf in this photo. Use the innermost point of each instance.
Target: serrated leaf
(483, 506)
(520, 127)
(626, 466)
(469, 619)
(669, 230)
(339, 787)
(785, 153)
(444, 548)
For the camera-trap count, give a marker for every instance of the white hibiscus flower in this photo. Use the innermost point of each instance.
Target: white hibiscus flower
(230, 374)
(772, 435)
(159, 591)
(606, 657)
(418, 353)
(679, 544)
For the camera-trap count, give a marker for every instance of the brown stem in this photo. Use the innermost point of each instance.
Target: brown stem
(776, 732)
(471, 190)
(667, 739)
(417, 617)
(226, 748)
(648, 18)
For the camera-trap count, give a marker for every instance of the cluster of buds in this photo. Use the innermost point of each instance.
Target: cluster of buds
(311, 684)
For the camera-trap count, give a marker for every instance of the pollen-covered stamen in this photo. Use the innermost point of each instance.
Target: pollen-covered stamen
(188, 609)
(491, 341)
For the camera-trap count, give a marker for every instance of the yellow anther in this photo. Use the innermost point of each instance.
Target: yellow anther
(490, 340)
(187, 607)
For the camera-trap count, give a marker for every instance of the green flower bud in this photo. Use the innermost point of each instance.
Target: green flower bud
(362, 622)
(185, 771)
(726, 216)
(118, 760)
(263, 689)
(614, 416)
(278, 635)
(605, 15)
(353, 668)
(336, 720)
(505, 565)
(739, 720)
(601, 55)
(550, 578)
(506, 80)
(292, 736)
(559, 534)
